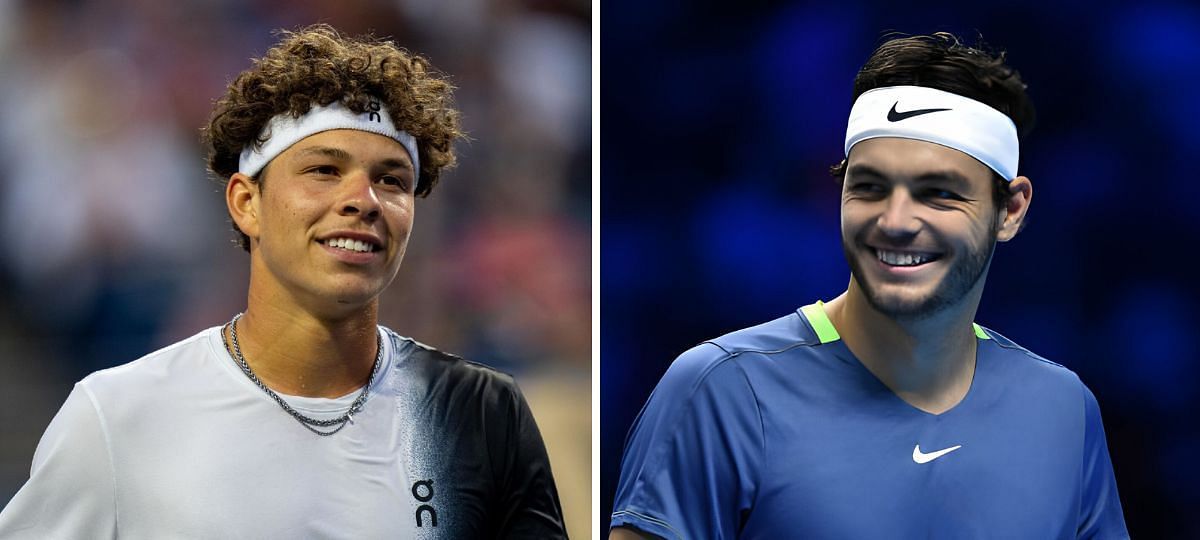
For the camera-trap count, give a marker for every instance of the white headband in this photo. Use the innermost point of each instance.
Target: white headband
(928, 114)
(284, 130)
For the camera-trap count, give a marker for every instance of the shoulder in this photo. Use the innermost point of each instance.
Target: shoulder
(416, 355)
(449, 374)
(780, 335)
(154, 369)
(1048, 387)
(743, 349)
(727, 364)
(1014, 358)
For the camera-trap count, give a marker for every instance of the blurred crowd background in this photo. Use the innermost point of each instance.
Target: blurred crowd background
(119, 243)
(718, 211)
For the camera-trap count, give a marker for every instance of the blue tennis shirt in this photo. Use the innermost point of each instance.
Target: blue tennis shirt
(778, 431)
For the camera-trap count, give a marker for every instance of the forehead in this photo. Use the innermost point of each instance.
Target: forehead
(350, 144)
(910, 158)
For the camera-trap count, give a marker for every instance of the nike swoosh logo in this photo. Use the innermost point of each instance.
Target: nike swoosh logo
(894, 116)
(922, 457)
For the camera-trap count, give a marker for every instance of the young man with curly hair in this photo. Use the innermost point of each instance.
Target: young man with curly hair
(302, 417)
(886, 412)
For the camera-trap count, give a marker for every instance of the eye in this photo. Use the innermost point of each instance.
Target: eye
(392, 180)
(322, 170)
(944, 194)
(867, 188)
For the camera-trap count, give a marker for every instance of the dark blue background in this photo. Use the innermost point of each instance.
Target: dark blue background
(720, 122)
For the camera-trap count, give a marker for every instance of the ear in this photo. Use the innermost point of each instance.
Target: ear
(243, 198)
(1012, 216)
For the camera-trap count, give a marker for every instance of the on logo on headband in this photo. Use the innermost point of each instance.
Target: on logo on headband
(373, 108)
(283, 130)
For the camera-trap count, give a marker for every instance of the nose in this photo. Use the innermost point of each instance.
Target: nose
(359, 197)
(899, 219)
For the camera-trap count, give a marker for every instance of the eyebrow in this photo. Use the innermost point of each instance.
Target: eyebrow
(393, 163)
(951, 176)
(328, 151)
(338, 153)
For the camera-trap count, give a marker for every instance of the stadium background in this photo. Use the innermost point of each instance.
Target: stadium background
(720, 122)
(118, 243)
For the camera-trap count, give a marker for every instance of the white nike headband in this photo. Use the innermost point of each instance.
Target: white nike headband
(928, 114)
(284, 130)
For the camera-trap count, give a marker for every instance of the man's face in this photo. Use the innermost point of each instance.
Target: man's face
(332, 218)
(918, 224)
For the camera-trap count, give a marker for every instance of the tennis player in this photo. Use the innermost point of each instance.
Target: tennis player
(886, 412)
(302, 417)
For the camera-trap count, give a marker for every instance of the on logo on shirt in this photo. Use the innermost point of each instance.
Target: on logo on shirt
(422, 490)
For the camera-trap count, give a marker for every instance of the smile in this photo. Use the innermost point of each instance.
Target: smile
(897, 258)
(351, 245)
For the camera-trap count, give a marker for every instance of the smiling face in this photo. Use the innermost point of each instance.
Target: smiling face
(329, 221)
(919, 224)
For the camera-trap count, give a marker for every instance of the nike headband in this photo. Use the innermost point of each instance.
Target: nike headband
(928, 114)
(284, 130)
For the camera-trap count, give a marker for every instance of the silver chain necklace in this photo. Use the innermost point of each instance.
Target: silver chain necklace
(310, 424)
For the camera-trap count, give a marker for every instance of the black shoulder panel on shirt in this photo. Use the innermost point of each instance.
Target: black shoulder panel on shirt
(488, 447)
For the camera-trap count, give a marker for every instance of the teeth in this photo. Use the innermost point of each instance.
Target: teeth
(902, 259)
(349, 244)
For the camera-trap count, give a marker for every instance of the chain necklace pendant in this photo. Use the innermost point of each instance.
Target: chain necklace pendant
(309, 423)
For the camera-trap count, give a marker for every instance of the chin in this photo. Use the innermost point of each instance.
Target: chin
(909, 305)
(904, 308)
(356, 295)
(343, 294)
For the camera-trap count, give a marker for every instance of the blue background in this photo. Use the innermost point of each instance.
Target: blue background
(720, 124)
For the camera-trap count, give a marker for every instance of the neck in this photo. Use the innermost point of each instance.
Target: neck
(296, 352)
(927, 362)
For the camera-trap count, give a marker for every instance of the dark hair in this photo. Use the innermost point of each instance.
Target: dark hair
(316, 65)
(941, 61)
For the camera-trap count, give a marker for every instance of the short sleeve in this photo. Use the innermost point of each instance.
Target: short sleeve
(70, 492)
(691, 461)
(531, 507)
(1100, 515)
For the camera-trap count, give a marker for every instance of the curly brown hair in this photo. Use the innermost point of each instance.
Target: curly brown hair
(317, 65)
(943, 62)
